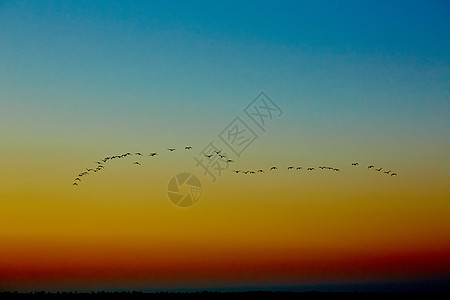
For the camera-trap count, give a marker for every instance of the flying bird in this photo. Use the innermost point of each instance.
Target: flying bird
(153, 154)
(136, 163)
(228, 161)
(337, 170)
(273, 168)
(394, 174)
(221, 156)
(236, 171)
(370, 167)
(378, 169)
(355, 164)
(217, 152)
(171, 149)
(299, 168)
(138, 153)
(188, 148)
(78, 179)
(208, 156)
(387, 172)
(74, 183)
(261, 171)
(290, 168)
(310, 169)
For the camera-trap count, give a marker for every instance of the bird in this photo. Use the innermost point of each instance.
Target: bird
(78, 179)
(208, 156)
(387, 172)
(236, 171)
(290, 168)
(171, 149)
(310, 169)
(337, 170)
(245, 172)
(252, 172)
(98, 162)
(355, 164)
(394, 174)
(378, 169)
(261, 171)
(273, 168)
(217, 152)
(136, 163)
(221, 156)
(89, 169)
(74, 183)
(322, 168)
(188, 148)
(153, 154)
(138, 153)
(370, 167)
(228, 161)
(298, 168)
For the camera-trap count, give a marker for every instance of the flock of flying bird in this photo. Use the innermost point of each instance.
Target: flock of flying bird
(245, 172)
(101, 164)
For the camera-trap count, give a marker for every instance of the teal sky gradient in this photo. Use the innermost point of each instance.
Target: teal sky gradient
(103, 72)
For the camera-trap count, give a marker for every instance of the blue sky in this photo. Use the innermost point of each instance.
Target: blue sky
(377, 67)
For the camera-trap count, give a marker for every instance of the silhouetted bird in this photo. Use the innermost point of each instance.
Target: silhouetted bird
(138, 153)
(78, 179)
(394, 174)
(370, 167)
(221, 156)
(171, 149)
(208, 156)
(217, 152)
(136, 163)
(236, 171)
(337, 170)
(188, 148)
(153, 154)
(228, 161)
(290, 168)
(273, 168)
(387, 172)
(299, 168)
(74, 183)
(355, 164)
(310, 169)
(378, 169)
(261, 171)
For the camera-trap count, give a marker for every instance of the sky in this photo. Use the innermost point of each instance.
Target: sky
(352, 81)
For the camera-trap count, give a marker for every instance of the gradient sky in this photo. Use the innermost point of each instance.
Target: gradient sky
(364, 81)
